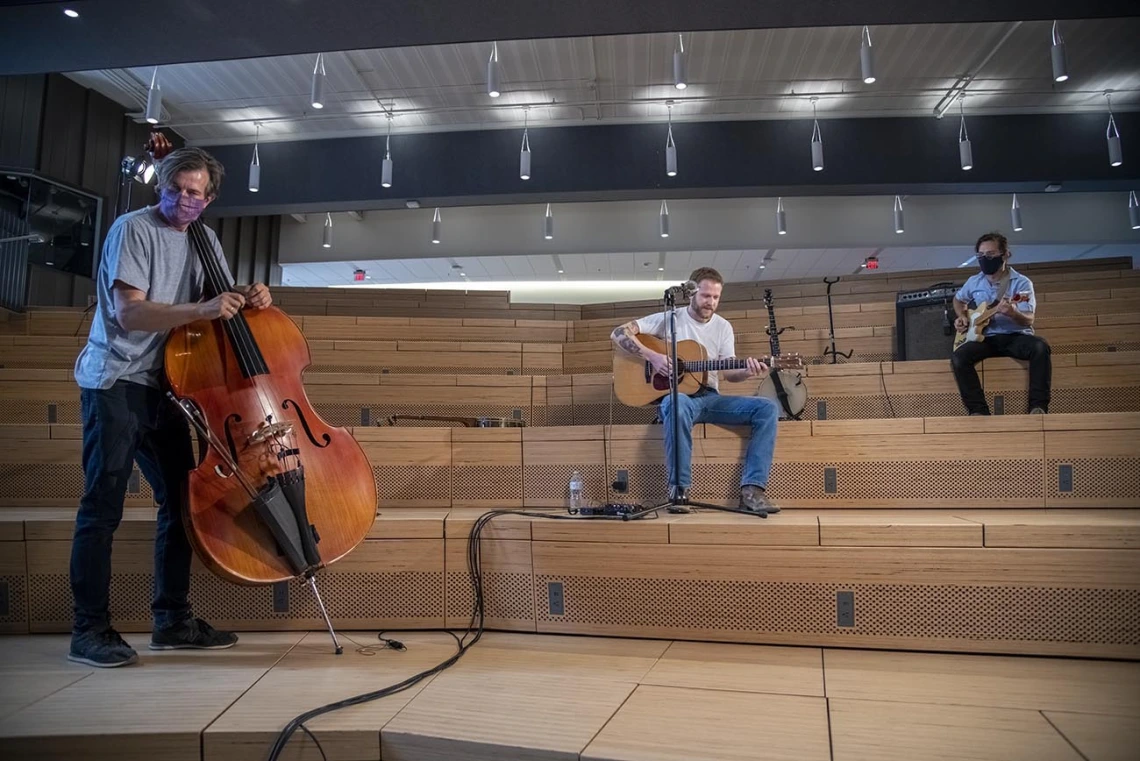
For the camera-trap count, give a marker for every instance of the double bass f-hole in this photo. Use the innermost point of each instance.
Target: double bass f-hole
(305, 424)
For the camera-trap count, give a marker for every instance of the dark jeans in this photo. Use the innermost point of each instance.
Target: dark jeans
(122, 424)
(1016, 345)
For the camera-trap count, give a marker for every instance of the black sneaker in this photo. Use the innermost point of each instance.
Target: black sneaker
(191, 634)
(103, 649)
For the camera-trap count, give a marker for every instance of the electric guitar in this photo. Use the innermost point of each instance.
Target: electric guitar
(637, 384)
(785, 387)
(977, 320)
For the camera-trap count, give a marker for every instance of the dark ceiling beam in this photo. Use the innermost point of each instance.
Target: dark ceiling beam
(35, 37)
(1021, 153)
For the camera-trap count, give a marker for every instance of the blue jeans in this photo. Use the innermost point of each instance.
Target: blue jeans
(710, 407)
(122, 424)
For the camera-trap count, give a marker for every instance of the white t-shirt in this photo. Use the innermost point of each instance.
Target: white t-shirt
(716, 335)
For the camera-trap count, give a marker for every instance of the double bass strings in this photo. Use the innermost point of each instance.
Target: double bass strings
(473, 633)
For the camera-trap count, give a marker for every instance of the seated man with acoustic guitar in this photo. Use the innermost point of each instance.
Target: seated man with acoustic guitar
(995, 311)
(699, 322)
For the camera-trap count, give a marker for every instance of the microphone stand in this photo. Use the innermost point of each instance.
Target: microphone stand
(677, 503)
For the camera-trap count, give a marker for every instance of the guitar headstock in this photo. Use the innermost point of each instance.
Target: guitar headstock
(786, 362)
(767, 297)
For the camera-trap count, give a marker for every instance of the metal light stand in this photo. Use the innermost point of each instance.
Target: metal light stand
(678, 503)
(831, 327)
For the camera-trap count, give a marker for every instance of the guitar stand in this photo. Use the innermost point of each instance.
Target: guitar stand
(831, 327)
(676, 502)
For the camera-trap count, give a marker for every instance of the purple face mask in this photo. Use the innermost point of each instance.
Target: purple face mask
(180, 210)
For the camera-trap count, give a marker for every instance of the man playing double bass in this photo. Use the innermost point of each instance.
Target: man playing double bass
(149, 282)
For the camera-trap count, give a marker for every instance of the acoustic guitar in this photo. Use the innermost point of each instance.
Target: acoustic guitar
(978, 319)
(785, 387)
(636, 383)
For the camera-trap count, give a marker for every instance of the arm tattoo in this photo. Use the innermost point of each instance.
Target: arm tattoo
(624, 339)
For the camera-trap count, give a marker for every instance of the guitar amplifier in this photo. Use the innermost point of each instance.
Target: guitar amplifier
(924, 323)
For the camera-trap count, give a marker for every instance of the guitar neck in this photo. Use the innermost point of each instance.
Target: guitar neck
(773, 338)
(716, 365)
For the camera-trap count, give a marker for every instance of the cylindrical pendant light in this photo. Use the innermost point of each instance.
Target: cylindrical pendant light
(899, 227)
(524, 151)
(255, 165)
(1112, 135)
(548, 224)
(670, 147)
(781, 218)
(154, 99)
(816, 141)
(965, 152)
(1060, 63)
(663, 222)
(317, 98)
(493, 71)
(1015, 215)
(386, 166)
(436, 227)
(680, 68)
(867, 58)
(1133, 210)
(326, 238)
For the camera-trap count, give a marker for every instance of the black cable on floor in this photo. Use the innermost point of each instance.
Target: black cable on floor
(474, 631)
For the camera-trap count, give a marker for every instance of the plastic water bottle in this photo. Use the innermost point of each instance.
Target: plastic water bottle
(575, 491)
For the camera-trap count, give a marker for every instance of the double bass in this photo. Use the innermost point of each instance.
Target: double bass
(277, 493)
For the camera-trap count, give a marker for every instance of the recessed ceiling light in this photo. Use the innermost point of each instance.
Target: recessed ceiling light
(70, 13)
(412, 204)
(1053, 187)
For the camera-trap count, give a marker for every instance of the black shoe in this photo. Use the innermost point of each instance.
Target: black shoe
(103, 649)
(681, 503)
(191, 634)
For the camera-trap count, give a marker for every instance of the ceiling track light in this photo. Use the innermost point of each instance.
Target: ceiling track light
(1112, 135)
(965, 152)
(317, 94)
(436, 227)
(1133, 210)
(680, 66)
(816, 140)
(154, 99)
(781, 218)
(1057, 53)
(867, 58)
(255, 163)
(1015, 215)
(663, 221)
(493, 72)
(386, 166)
(899, 227)
(524, 151)
(670, 146)
(548, 224)
(326, 237)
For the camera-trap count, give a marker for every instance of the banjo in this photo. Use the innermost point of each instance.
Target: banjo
(787, 386)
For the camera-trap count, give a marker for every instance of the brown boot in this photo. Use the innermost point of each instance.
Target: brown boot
(755, 499)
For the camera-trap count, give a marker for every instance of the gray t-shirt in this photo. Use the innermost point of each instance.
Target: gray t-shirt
(145, 253)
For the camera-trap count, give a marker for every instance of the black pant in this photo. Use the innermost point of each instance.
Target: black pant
(126, 422)
(1016, 345)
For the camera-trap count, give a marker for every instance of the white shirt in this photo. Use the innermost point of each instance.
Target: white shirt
(716, 335)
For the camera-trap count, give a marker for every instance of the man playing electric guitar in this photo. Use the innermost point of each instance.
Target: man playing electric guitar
(699, 322)
(1009, 333)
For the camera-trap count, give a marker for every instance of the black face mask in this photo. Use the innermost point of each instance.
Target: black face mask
(991, 265)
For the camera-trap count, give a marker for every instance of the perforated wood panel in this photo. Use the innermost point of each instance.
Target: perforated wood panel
(1084, 348)
(1110, 399)
(558, 414)
(486, 483)
(600, 414)
(1031, 614)
(870, 407)
(949, 480)
(16, 617)
(508, 600)
(55, 485)
(1099, 478)
(549, 485)
(13, 411)
(403, 484)
(376, 598)
(647, 482)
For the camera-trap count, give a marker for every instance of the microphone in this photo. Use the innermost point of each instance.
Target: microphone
(684, 290)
